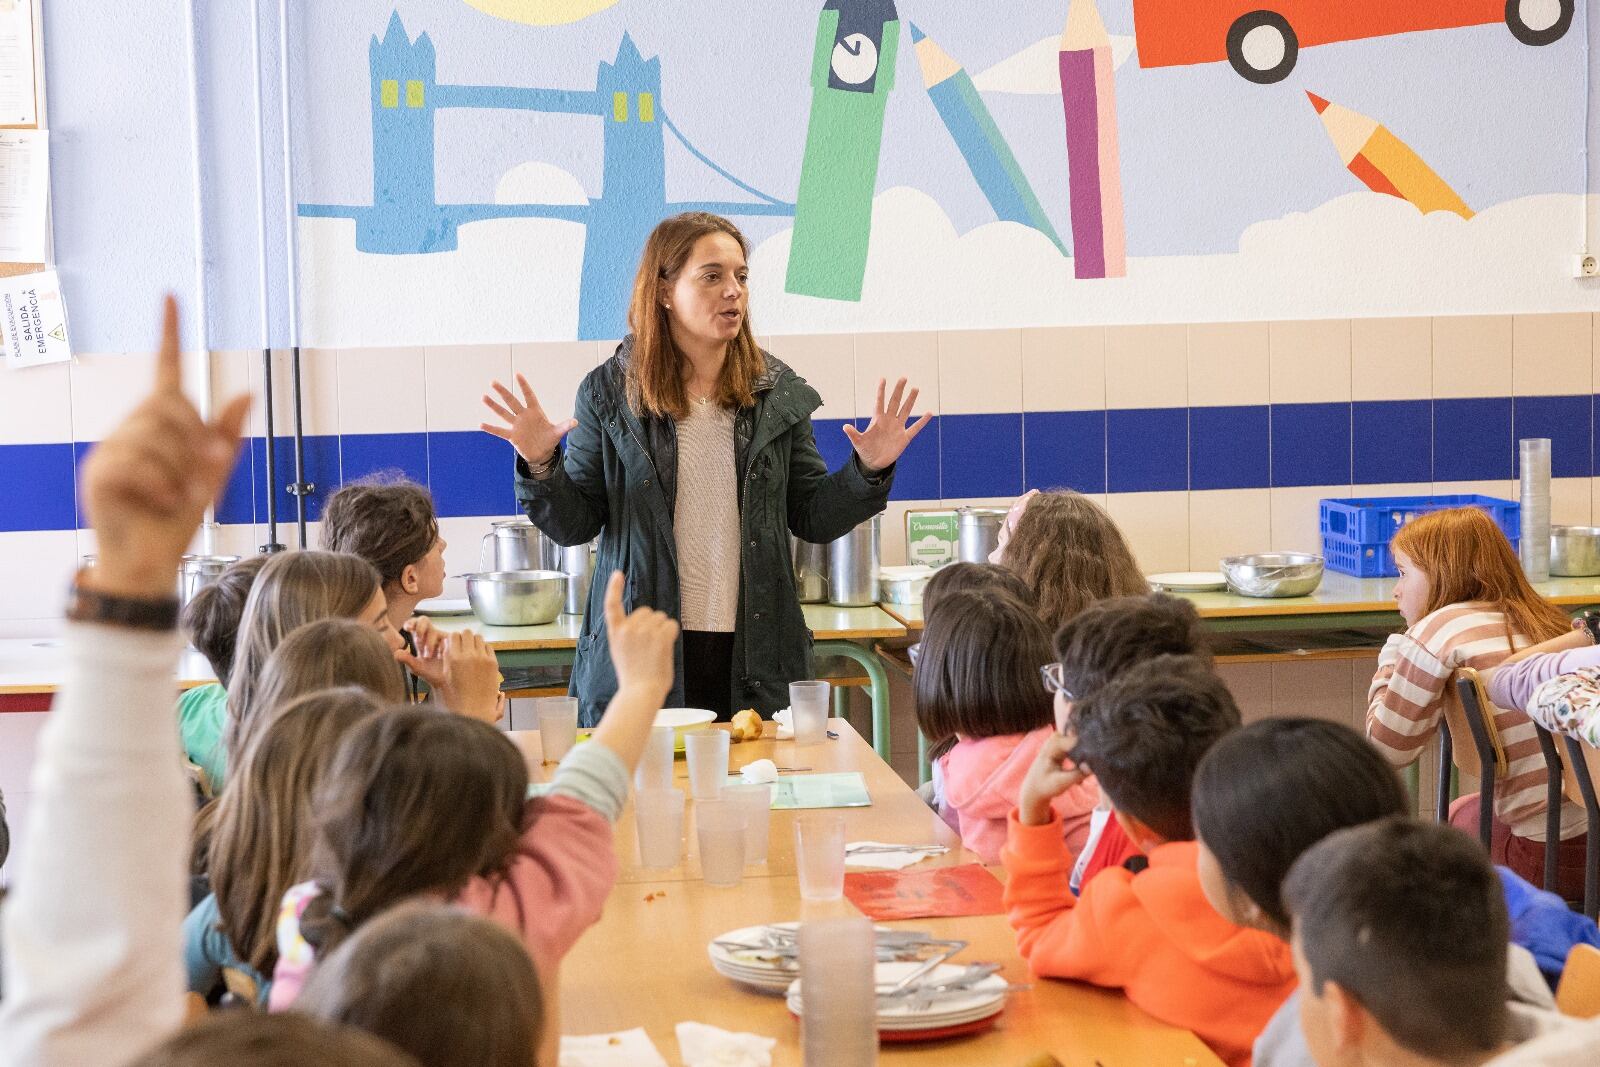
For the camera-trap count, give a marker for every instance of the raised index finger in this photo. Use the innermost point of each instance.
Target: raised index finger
(169, 365)
(615, 616)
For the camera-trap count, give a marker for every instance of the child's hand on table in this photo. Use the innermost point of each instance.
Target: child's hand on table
(147, 485)
(1051, 774)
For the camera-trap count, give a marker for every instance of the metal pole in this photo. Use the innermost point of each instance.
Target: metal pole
(262, 296)
(301, 489)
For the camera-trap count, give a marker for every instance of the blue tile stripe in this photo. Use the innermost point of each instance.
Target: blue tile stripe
(958, 456)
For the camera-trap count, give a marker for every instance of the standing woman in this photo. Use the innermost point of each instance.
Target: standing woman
(691, 455)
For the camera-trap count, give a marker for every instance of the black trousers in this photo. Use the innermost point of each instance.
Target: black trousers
(708, 672)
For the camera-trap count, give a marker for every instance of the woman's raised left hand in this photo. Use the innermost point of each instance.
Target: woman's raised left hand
(887, 435)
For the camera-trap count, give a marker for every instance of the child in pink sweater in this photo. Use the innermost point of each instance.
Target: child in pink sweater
(980, 699)
(420, 803)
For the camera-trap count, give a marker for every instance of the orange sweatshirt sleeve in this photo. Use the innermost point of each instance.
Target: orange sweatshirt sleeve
(1062, 936)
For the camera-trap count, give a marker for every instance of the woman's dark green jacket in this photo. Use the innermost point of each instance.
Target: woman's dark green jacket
(618, 480)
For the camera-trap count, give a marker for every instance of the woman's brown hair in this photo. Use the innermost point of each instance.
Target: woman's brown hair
(293, 588)
(655, 377)
(261, 833)
(417, 801)
(978, 674)
(1069, 552)
(1469, 561)
(386, 519)
(452, 989)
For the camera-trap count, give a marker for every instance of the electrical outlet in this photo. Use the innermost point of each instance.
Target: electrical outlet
(1586, 265)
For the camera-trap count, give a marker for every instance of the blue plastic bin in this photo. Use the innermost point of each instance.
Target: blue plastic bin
(1356, 532)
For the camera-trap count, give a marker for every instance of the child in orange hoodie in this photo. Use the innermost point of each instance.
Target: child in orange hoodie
(1151, 933)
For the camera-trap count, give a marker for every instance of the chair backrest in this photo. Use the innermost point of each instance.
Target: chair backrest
(1466, 706)
(1578, 994)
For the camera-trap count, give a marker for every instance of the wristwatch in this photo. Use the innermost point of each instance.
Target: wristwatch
(1591, 623)
(108, 609)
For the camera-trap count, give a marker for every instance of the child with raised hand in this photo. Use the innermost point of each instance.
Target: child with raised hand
(420, 803)
(451, 989)
(1151, 933)
(211, 620)
(980, 702)
(1467, 603)
(1399, 936)
(90, 932)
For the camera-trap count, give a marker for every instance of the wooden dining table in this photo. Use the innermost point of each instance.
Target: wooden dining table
(645, 963)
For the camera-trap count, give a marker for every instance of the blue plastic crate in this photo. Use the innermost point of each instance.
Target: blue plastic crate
(1356, 532)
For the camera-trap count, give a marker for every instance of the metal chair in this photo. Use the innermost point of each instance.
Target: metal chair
(1467, 711)
(1581, 775)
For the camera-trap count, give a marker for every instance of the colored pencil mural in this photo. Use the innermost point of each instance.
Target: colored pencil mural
(973, 128)
(1383, 162)
(1088, 97)
(852, 71)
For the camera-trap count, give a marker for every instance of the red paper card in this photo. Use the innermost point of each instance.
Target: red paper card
(942, 892)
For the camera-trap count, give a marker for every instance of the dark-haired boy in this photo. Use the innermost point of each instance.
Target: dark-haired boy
(1400, 931)
(1098, 644)
(1150, 933)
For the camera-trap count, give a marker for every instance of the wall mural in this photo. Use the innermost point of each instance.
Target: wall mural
(886, 187)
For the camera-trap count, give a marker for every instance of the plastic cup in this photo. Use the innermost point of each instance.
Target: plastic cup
(558, 727)
(819, 855)
(708, 762)
(839, 1014)
(808, 703)
(757, 803)
(655, 766)
(720, 826)
(658, 820)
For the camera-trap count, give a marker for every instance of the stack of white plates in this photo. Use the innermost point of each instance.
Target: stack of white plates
(769, 971)
(901, 1019)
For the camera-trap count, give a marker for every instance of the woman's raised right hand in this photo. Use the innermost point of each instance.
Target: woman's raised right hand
(527, 427)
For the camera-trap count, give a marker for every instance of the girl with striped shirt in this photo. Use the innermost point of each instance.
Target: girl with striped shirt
(1466, 603)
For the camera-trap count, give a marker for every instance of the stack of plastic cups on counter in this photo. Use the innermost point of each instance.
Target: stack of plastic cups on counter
(1534, 471)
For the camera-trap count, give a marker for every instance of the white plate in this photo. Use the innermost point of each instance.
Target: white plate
(443, 606)
(986, 998)
(1189, 581)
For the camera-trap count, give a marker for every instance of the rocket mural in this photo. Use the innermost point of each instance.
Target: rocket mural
(852, 71)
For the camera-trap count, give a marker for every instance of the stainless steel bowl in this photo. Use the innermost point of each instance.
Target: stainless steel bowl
(1273, 574)
(1575, 551)
(517, 598)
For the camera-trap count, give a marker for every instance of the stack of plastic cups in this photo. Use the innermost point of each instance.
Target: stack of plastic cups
(1534, 471)
(839, 1020)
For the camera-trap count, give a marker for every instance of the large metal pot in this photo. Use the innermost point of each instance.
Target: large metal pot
(517, 598)
(979, 533)
(577, 562)
(810, 571)
(853, 566)
(196, 572)
(518, 545)
(1575, 551)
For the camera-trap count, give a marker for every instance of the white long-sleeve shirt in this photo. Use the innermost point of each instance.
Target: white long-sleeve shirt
(91, 931)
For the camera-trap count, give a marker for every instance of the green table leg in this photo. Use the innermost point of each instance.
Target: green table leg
(1414, 784)
(924, 765)
(867, 659)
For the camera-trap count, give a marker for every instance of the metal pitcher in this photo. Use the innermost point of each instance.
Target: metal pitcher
(197, 572)
(979, 533)
(518, 545)
(578, 563)
(810, 571)
(853, 566)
